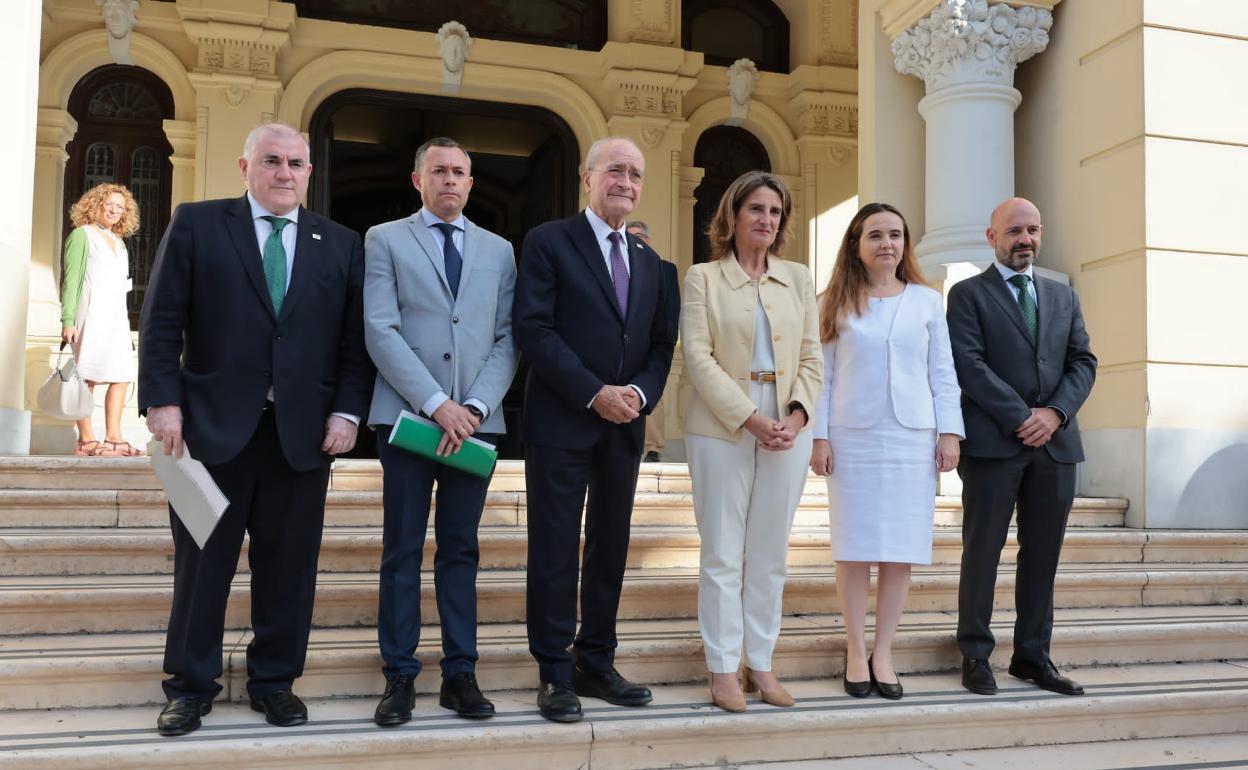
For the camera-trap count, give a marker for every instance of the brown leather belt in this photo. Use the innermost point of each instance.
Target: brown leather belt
(763, 376)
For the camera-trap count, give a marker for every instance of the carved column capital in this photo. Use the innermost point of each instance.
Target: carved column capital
(965, 41)
(243, 40)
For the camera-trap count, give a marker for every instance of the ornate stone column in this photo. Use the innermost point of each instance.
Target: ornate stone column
(20, 61)
(183, 136)
(965, 51)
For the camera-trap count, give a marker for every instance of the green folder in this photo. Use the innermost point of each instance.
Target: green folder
(416, 434)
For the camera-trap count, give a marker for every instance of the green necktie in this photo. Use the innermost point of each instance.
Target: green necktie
(1025, 301)
(275, 263)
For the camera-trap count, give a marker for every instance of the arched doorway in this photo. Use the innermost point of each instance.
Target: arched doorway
(121, 138)
(724, 153)
(524, 167)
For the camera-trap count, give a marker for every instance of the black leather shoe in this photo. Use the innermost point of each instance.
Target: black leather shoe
(1045, 676)
(856, 689)
(397, 701)
(558, 702)
(609, 686)
(281, 709)
(977, 676)
(461, 694)
(181, 716)
(652, 457)
(892, 691)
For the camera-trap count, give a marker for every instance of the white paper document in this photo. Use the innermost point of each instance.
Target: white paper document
(195, 497)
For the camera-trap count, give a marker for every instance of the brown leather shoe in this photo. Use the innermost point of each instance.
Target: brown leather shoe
(733, 702)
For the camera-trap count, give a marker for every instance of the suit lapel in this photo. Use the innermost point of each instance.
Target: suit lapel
(1046, 298)
(242, 232)
(469, 255)
(307, 257)
(421, 233)
(1005, 298)
(638, 271)
(583, 238)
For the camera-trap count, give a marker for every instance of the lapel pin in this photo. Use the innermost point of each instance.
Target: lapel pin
(316, 236)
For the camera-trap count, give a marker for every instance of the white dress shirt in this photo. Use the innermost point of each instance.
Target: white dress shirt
(1008, 272)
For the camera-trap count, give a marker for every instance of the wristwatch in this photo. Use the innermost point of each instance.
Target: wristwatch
(475, 411)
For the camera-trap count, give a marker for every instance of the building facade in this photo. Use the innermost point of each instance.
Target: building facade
(1116, 116)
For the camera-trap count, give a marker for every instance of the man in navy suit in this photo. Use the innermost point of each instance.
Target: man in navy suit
(251, 346)
(589, 316)
(1025, 365)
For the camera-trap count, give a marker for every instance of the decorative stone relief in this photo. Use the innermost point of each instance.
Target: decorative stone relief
(826, 113)
(838, 33)
(971, 41)
(742, 77)
(651, 137)
(454, 43)
(652, 22)
(235, 95)
(227, 46)
(839, 154)
(643, 93)
(120, 18)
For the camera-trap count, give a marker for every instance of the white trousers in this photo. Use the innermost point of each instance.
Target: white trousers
(744, 498)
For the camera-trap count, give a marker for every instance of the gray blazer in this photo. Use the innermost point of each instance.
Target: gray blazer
(1004, 373)
(421, 338)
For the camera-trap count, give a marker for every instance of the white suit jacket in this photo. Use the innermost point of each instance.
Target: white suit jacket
(911, 367)
(422, 338)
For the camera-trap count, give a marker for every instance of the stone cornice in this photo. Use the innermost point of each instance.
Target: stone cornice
(645, 92)
(826, 113)
(964, 41)
(238, 37)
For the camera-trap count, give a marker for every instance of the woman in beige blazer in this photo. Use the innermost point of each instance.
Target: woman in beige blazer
(749, 328)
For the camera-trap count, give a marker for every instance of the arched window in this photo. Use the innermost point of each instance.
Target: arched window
(727, 30)
(724, 153)
(121, 138)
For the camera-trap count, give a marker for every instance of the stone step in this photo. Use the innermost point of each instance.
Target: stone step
(144, 551)
(55, 605)
(679, 729)
(125, 669)
(127, 508)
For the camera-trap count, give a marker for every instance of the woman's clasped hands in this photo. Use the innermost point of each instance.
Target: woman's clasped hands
(776, 435)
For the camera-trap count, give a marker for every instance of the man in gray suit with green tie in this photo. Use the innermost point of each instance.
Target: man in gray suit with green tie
(1025, 365)
(437, 323)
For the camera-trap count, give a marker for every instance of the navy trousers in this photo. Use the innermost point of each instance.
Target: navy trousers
(408, 488)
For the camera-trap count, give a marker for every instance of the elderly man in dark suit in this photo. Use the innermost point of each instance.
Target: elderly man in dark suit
(251, 346)
(1025, 366)
(589, 316)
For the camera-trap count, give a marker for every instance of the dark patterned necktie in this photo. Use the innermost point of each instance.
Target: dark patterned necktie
(619, 273)
(1025, 301)
(275, 263)
(450, 254)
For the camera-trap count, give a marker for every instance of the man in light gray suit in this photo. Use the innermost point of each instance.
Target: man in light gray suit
(437, 322)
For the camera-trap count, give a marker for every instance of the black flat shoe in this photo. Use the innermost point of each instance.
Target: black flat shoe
(558, 702)
(977, 676)
(461, 694)
(609, 686)
(181, 716)
(855, 689)
(1046, 676)
(397, 701)
(281, 709)
(891, 691)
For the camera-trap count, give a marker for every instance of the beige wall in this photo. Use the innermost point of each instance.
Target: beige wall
(1131, 141)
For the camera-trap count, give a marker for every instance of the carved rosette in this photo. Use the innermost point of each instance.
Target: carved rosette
(970, 41)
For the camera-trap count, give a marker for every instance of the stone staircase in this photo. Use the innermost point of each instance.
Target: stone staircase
(1152, 622)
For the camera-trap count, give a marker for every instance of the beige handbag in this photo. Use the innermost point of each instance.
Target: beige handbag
(64, 395)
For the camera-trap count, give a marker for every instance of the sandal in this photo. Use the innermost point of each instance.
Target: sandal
(86, 448)
(116, 449)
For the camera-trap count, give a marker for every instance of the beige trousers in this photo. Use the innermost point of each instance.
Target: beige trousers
(744, 498)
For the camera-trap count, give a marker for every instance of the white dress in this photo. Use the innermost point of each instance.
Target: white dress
(881, 494)
(105, 351)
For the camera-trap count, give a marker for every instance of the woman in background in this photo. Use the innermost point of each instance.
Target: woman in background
(888, 419)
(94, 318)
(750, 335)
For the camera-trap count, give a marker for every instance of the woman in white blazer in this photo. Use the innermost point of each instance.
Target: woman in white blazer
(887, 420)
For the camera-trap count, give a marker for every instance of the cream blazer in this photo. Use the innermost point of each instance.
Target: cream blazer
(911, 368)
(717, 336)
